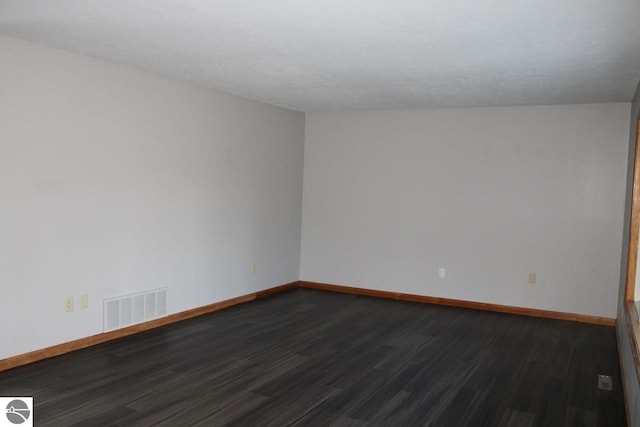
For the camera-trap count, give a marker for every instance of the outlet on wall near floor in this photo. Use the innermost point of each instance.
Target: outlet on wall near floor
(68, 304)
(441, 272)
(532, 278)
(84, 301)
(254, 267)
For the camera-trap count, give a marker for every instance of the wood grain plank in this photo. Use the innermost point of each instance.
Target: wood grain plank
(314, 358)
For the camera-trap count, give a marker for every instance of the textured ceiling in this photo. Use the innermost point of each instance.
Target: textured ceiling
(358, 54)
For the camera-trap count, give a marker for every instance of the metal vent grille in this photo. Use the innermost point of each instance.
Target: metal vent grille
(127, 310)
(605, 382)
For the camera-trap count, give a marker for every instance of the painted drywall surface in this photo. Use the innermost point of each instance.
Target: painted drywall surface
(631, 383)
(113, 181)
(491, 194)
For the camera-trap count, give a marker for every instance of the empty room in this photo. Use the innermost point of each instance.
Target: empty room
(334, 213)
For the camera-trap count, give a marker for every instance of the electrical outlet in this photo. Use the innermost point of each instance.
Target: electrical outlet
(68, 304)
(254, 267)
(532, 278)
(441, 272)
(84, 301)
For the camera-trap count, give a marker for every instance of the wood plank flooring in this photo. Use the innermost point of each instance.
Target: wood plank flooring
(314, 358)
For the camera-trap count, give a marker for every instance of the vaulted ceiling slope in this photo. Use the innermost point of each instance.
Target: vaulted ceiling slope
(358, 54)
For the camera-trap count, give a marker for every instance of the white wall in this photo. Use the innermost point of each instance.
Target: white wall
(114, 181)
(491, 194)
(631, 383)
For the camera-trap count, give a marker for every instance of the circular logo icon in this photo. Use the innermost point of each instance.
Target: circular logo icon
(18, 411)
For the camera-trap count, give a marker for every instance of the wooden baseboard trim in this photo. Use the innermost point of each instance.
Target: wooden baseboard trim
(56, 350)
(461, 303)
(276, 290)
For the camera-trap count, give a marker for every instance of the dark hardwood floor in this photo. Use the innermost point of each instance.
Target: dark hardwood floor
(314, 358)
